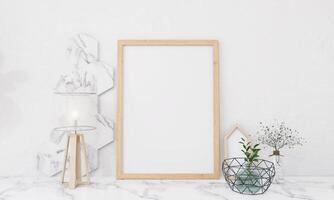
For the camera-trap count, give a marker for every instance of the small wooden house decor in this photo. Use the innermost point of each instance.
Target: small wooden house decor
(231, 135)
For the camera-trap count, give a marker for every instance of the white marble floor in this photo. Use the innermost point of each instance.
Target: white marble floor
(11, 188)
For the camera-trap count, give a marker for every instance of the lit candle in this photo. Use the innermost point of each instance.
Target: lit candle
(74, 116)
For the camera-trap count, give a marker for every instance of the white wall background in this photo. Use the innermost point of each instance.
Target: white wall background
(277, 61)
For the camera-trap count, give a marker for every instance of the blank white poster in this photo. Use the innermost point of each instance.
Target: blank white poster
(168, 109)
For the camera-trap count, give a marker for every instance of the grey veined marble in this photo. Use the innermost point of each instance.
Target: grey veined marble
(307, 188)
(51, 163)
(90, 75)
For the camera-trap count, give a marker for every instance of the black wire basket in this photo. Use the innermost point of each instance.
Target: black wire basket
(245, 178)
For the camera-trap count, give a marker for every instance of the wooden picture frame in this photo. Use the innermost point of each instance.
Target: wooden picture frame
(215, 149)
(229, 133)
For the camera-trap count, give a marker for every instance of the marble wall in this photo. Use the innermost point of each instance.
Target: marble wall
(276, 63)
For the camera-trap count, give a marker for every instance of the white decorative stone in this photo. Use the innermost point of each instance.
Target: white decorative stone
(78, 81)
(104, 75)
(89, 76)
(83, 48)
(57, 136)
(105, 127)
(51, 164)
(48, 164)
(97, 77)
(93, 158)
(104, 132)
(49, 161)
(84, 55)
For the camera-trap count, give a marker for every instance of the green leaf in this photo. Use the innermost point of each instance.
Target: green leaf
(255, 152)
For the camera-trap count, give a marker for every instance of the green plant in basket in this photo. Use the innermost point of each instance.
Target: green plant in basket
(251, 152)
(248, 179)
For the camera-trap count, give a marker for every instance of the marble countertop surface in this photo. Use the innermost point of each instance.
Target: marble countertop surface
(309, 188)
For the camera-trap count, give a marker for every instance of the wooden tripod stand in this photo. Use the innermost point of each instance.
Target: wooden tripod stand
(72, 157)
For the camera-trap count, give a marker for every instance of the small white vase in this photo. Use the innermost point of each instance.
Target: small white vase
(277, 159)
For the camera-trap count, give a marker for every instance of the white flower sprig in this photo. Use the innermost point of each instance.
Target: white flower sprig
(277, 135)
